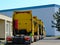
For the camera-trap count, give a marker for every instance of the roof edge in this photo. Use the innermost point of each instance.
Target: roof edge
(32, 7)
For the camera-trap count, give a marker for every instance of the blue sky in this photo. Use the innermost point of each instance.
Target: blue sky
(9, 4)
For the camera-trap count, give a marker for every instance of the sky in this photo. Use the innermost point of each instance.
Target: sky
(10, 4)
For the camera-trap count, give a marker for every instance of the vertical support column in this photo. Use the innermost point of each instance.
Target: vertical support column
(11, 28)
(5, 30)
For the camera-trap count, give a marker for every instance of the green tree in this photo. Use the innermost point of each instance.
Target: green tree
(56, 17)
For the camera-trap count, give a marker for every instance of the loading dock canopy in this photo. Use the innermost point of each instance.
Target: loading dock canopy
(4, 17)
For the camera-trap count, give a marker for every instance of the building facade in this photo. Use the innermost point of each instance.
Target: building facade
(5, 26)
(45, 13)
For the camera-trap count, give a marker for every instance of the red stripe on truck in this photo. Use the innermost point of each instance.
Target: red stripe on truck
(16, 24)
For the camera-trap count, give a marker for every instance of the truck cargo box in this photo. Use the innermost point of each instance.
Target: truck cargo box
(22, 22)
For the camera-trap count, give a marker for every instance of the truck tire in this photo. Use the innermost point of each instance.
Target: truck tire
(35, 40)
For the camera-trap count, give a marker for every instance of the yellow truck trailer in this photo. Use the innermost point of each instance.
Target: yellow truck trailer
(22, 21)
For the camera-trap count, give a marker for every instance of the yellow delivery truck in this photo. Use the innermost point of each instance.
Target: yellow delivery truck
(23, 28)
(42, 31)
(36, 28)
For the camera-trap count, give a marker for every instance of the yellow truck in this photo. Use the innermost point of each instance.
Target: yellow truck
(39, 29)
(23, 28)
(36, 28)
(42, 31)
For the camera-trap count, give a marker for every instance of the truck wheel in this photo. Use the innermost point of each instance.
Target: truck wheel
(34, 40)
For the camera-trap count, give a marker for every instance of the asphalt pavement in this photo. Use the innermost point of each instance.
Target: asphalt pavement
(47, 41)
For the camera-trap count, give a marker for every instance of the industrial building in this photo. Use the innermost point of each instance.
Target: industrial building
(5, 26)
(44, 12)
